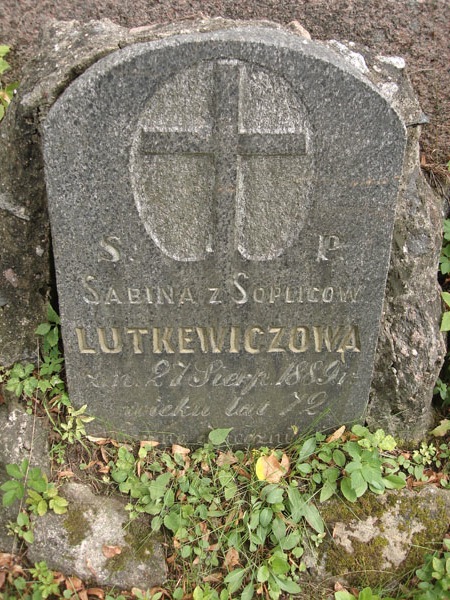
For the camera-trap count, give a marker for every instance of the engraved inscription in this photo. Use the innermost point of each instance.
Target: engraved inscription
(230, 339)
(239, 291)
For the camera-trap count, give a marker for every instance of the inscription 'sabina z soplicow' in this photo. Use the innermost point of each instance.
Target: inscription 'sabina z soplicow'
(222, 207)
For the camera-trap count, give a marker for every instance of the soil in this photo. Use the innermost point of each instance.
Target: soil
(418, 30)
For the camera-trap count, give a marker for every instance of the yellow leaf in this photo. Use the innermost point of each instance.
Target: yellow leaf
(270, 469)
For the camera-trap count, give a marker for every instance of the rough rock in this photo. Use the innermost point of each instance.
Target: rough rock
(22, 436)
(95, 542)
(380, 539)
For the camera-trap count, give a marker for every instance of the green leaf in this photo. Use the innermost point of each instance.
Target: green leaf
(266, 516)
(339, 458)
(263, 573)
(394, 482)
(28, 536)
(296, 501)
(23, 520)
(52, 315)
(278, 529)
(359, 484)
(347, 491)
(43, 329)
(287, 585)
(274, 496)
(290, 541)
(157, 488)
(247, 592)
(313, 517)
(218, 436)
(41, 508)
(445, 324)
(327, 491)
(9, 498)
(307, 449)
(279, 564)
(173, 521)
(344, 595)
(234, 580)
(14, 471)
(53, 336)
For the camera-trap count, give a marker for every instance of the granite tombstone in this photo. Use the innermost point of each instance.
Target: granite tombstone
(222, 207)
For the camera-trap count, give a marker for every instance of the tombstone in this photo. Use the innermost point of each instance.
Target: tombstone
(221, 207)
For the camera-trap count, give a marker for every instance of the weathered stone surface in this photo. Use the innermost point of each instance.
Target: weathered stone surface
(380, 539)
(215, 201)
(22, 436)
(95, 542)
(67, 50)
(410, 349)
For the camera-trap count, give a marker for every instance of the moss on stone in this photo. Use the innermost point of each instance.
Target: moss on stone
(139, 540)
(365, 566)
(76, 525)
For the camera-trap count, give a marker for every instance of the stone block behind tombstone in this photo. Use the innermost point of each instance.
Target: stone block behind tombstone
(221, 208)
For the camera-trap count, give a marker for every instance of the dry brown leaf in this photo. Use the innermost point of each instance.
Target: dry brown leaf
(231, 558)
(67, 473)
(105, 470)
(74, 583)
(176, 449)
(213, 577)
(151, 443)
(96, 592)
(2, 578)
(336, 435)
(98, 440)
(110, 551)
(270, 469)
(226, 458)
(6, 559)
(104, 454)
(338, 587)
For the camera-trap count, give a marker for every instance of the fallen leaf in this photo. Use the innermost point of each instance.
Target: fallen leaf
(74, 584)
(98, 440)
(231, 558)
(110, 551)
(176, 449)
(338, 587)
(96, 592)
(2, 578)
(67, 473)
(213, 577)
(151, 443)
(270, 469)
(6, 559)
(226, 458)
(442, 429)
(336, 435)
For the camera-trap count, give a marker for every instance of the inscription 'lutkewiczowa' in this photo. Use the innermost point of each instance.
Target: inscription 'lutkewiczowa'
(213, 228)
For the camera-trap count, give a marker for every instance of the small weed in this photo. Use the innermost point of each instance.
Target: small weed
(7, 91)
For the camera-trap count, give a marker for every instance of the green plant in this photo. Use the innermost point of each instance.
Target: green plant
(435, 576)
(6, 92)
(45, 582)
(40, 496)
(349, 464)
